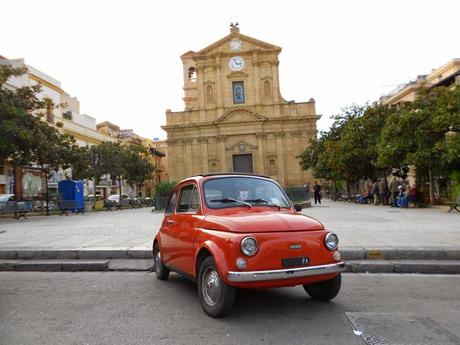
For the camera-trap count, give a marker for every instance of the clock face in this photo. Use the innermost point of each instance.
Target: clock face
(236, 63)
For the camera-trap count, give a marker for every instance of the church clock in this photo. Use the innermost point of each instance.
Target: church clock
(236, 63)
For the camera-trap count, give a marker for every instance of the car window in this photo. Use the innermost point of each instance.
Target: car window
(171, 204)
(189, 200)
(225, 192)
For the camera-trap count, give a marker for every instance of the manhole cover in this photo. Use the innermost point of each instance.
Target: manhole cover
(400, 329)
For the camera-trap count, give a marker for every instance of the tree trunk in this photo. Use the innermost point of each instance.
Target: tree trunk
(96, 182)
(119, 188)
(430, 178)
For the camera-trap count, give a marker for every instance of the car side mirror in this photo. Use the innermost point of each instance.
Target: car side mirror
(298, 207)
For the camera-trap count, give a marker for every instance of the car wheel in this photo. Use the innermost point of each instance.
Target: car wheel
(161, 271)
(325, 290)
(216, 297)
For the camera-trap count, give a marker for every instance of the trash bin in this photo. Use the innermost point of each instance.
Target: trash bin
(71, 195)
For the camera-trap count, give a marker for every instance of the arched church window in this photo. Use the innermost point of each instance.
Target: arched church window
(192, 74)
(267, 89)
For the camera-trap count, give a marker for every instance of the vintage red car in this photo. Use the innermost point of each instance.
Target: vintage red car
(228, 231)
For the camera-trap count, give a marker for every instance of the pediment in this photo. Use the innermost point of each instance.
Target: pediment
(247, 44)
(239, 115)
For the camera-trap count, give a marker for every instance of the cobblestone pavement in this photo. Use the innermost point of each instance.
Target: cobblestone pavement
(357, 225)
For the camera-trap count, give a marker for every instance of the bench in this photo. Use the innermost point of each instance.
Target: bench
(69, 205)
(18, 208)
(455, 205)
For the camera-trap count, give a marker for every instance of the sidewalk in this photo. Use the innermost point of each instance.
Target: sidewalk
(366, 232)
(357, 226)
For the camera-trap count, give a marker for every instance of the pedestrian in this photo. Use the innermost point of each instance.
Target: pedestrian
(401, 199)
(317, 192)
(383, 190)
(394, 183)
(375, 192)
(306, 191)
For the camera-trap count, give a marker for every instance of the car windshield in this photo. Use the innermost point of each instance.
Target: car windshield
(243, 191)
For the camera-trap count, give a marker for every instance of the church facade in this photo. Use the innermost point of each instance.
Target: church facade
(235, 119)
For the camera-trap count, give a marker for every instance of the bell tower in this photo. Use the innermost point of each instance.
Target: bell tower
(190, 74)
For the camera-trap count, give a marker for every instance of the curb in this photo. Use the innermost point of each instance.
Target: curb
(54, 265)
(104, 253)
(101, 253)
(404, 266)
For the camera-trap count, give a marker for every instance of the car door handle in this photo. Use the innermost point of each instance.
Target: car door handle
(171, 222)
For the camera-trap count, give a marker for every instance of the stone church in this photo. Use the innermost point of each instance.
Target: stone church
(235, 118)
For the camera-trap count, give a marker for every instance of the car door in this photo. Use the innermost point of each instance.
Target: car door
(167, 229)
(182, 228)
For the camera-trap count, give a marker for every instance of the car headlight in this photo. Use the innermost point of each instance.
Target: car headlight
(248, 246)
(331, 241)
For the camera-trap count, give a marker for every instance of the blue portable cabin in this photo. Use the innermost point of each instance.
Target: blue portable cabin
(71, 193)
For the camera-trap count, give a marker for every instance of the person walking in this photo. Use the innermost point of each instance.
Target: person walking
(383, 190)
(317, 192)
(375, 192)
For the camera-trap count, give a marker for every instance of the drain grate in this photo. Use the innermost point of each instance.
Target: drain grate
(400, 329)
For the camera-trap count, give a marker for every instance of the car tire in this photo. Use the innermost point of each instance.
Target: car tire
(216, 297)
(161, 271)
(325, 290)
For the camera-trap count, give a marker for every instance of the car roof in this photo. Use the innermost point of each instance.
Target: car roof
(221, 174)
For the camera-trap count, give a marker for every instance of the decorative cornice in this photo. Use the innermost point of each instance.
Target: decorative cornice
(234, 75)
(265, 120)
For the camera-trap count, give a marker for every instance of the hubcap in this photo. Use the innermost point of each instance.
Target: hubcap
(211, 286)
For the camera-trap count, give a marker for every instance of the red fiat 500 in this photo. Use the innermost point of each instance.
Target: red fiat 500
(229, 231)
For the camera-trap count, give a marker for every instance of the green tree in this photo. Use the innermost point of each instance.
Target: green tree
(26, 139)
(348, 151)
(424, 134)
(137, 167)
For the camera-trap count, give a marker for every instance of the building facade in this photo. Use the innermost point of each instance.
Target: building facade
(446, 75)
(235, 118)
(81, 126)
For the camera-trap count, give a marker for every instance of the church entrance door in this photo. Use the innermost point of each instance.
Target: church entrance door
(243, 163)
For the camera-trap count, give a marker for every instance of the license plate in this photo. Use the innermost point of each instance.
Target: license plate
(294, 262)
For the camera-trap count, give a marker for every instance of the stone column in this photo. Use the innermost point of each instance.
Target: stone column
(255, 66)
(188, 157)
(281, 157)
(276, 84)
(204, 155)
(219, 89)
(200, 80)
(172, 158)
(261, 153)
(222, 153)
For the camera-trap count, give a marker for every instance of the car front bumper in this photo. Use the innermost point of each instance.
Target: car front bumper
(256, 276)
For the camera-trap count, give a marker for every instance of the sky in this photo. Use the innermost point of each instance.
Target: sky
(121, 59)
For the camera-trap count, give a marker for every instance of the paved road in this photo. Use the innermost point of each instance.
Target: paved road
(357, 225)
(135, 308)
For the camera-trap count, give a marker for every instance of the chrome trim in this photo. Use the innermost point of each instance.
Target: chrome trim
(241, 246)
(327, 236)
(300, 272)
